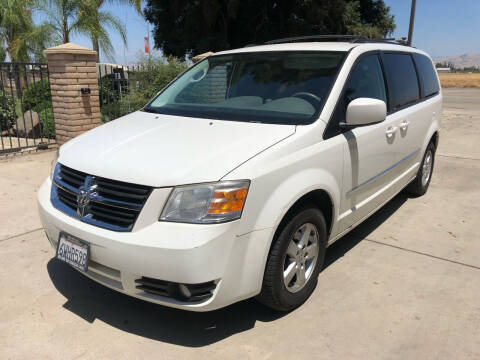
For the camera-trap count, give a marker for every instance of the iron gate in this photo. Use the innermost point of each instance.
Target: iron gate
(26, 114)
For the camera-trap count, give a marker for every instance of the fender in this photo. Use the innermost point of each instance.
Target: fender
(298, 185)
(433, 128)
(266, 217)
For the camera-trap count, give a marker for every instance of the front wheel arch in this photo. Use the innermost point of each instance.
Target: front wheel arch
(321, 199)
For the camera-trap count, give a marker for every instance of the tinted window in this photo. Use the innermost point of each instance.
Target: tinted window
(427, 75)
(366, 80)
(402, 80)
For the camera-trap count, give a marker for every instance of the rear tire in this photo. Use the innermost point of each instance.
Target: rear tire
(419, 185)
(295, 260)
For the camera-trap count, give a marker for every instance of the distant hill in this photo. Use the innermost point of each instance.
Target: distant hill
(466, 60)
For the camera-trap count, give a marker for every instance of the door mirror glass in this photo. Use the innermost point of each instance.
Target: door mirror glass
(365, 111)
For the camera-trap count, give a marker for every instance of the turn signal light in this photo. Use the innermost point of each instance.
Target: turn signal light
(225, 202)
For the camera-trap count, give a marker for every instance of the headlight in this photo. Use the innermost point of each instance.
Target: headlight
(206, 203)
(54, 163)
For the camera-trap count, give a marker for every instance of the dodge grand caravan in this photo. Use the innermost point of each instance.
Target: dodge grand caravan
(235, 178)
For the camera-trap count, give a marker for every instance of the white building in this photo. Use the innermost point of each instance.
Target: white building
(444, 70)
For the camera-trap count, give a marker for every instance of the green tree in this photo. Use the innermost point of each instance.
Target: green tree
(68, 17)
(98, 39)
(24, 40)
(368, 18)
(3, 54)
(185, 27)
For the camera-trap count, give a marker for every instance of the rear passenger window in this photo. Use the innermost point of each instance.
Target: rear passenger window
(402, 80)
(427, 75)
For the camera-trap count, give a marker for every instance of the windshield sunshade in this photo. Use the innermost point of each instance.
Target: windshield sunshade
(268, 87)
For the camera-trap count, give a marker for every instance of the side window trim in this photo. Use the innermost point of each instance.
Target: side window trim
(387, 89)
(420, 90)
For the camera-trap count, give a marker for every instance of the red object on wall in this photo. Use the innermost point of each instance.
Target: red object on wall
(147, 50)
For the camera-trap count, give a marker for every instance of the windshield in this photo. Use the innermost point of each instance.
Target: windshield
(268, 87)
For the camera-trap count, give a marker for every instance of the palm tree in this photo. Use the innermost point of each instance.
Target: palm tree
(97, 41)
(23, 39)
(68, 17)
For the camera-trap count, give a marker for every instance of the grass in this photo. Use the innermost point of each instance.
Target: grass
(461, 80)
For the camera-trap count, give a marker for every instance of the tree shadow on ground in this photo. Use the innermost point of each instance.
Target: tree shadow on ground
(92, 301)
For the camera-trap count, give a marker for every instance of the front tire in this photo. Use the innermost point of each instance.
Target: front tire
(419, 185)
(295, 260)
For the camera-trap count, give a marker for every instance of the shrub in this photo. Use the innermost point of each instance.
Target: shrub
(36, 96)
(112, 89)
(48, 123)
(144, 81)
(7, 112)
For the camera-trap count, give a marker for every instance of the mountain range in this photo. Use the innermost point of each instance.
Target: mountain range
(466, 60)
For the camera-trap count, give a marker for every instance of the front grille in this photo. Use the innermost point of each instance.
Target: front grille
(110, 204)
(181, 292)
(72, 177)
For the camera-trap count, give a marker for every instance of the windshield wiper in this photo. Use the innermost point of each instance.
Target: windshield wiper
(149, 110)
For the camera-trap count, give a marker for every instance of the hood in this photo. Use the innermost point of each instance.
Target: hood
(163, 150)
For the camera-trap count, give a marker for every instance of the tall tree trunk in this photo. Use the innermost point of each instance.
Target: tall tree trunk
(96, 48)
(65, 32)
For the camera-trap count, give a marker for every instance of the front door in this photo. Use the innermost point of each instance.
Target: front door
(371, 151)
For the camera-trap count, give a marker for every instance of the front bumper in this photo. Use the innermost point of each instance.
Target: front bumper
(174, 252)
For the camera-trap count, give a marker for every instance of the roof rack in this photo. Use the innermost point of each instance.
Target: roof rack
(343, 38)
(396, 41)
(348, 38)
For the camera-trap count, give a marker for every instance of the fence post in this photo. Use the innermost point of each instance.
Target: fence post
(74, 88)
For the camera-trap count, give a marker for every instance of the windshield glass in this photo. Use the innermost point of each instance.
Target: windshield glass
(268, 87)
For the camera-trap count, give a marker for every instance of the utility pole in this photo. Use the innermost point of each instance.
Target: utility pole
(412, 20)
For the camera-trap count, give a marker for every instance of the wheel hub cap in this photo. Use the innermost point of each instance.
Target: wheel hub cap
(427, 167)
(301, 257)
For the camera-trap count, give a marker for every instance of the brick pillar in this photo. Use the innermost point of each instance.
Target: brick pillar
(72, 69)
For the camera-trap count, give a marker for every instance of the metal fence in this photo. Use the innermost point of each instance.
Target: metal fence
(26, 114)
(123, 89)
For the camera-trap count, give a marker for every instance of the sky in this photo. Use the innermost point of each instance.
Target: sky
(442, 28)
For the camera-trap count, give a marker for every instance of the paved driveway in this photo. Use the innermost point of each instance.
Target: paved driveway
(405, 284)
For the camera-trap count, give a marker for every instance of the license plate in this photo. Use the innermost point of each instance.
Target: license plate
(73, 251)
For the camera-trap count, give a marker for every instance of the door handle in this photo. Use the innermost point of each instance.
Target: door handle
(391, 131)
(404, 125)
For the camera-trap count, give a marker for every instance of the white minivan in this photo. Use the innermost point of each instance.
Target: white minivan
(235, 178)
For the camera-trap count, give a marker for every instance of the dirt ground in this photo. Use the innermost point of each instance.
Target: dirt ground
(402, 285)
(460, 80)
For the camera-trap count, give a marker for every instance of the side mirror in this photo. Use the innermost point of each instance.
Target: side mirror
(365, 111)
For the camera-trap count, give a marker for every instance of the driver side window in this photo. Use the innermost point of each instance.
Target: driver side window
(366, 81)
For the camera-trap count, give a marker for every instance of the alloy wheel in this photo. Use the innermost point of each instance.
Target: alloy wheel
(300, 257)
(427, 167)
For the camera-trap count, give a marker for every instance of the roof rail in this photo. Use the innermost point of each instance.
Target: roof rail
(395, 41)
(348, 38)
(344, 38)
